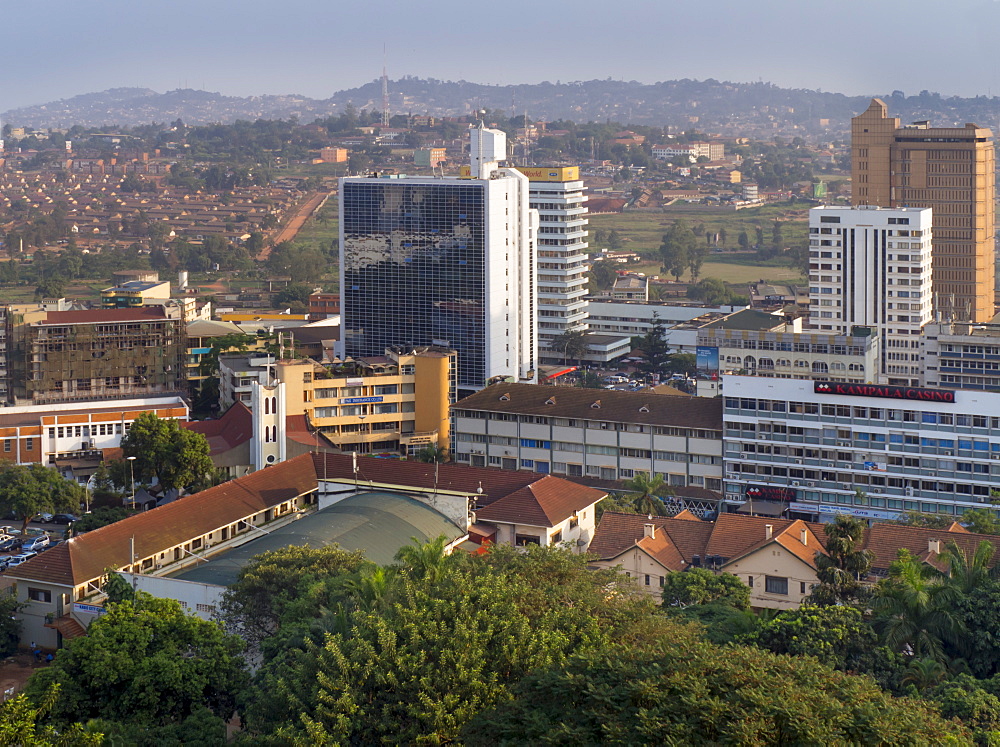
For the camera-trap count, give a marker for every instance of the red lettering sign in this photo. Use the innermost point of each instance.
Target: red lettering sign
(883, 391)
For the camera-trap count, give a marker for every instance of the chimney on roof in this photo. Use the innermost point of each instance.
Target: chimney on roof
(804, 536)
(768, 531)
(649, 530)
(934, 546)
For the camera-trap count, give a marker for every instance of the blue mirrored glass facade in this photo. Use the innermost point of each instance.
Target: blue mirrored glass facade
(412, 258)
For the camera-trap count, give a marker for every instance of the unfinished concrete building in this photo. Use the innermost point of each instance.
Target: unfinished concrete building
(101, 354)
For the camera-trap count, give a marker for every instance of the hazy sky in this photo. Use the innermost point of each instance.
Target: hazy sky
(57, 49)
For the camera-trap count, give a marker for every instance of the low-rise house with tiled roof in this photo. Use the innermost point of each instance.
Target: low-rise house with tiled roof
(775, 557)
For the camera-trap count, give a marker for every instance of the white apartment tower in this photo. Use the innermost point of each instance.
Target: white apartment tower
(871, 267)
(557, 194)
(444, 261)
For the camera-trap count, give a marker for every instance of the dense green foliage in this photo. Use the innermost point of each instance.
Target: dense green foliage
(702, 586)
(22, 722)
(173, 456)
(27, 490)
(144, 665)
(691, 692)
(520, 646)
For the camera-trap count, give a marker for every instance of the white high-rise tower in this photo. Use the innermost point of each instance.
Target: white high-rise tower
(871, 267)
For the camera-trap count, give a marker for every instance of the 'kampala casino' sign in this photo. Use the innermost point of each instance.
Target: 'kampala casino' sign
(885, 392)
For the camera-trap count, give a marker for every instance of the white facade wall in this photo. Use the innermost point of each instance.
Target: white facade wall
(871, 267)
(594, 448)
(562, 258)
(616, 317)
(511, 294)
(904, 454)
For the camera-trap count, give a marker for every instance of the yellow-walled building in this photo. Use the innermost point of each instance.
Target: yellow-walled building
(395, 403)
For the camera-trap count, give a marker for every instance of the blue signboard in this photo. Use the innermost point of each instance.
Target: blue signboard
(359, 400)
(707, 358)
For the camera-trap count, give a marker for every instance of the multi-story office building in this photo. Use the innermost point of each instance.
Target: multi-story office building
(72, 436)
(870, 267)
(961, 356)
(395, 402)
(444, 261)
(789, 355)
(811, 448)
(949, 169)
(557, 193)
(601, 434)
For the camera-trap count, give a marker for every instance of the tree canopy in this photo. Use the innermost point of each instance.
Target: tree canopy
(27, 490)
(144, 662)
(173, 456)
(702, 586)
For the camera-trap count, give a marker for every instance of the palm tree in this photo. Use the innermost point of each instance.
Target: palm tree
(432, 453)
(842, 567)
(913, 609)
(924, 673)
(574, 344)
(969, 573)
(648, 490)
(424, 560)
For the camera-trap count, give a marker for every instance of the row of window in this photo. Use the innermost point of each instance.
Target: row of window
(863, 413)
(656, 430)
(86, 431)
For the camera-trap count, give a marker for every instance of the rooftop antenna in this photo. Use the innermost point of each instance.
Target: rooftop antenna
(527, 141)
(385, 91)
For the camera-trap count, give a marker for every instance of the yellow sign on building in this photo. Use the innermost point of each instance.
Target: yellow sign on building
(540, 173)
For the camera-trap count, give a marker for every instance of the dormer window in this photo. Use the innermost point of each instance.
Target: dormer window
(644, 408)
(505, 397)
(550, 401)
(596, 405)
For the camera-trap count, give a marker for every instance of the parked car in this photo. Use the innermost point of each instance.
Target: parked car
(18, 559)
(34, 544)
(8, 543)
(44, 518)
(63, 519)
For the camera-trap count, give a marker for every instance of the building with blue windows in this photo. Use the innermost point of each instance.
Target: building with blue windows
(443, 261)
(812, 449)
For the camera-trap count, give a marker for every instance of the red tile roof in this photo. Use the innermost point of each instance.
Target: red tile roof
(86, 557)
(234, 428)
(618, 532)
(544, 503)
(885, 541)
(735, 535)
(660, 548)
(96, 316)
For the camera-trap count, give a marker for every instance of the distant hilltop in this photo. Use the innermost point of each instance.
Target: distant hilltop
(708, 104)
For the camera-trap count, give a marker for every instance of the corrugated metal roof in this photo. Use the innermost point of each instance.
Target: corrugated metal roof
(379, 523)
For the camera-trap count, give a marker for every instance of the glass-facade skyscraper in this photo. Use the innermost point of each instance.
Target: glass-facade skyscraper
(441, 261)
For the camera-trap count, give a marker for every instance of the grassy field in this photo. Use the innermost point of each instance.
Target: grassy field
(643, 232)
(320, 230)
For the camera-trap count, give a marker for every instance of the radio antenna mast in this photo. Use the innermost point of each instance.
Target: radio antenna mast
(385, 91)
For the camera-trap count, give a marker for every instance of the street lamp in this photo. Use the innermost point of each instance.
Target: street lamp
(131, 469)
(87, 492)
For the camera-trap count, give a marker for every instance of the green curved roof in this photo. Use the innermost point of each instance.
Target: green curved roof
(379, 523)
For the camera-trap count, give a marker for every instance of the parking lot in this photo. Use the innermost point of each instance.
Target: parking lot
(11, 541)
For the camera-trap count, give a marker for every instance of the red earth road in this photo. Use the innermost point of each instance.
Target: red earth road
(291, 229)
